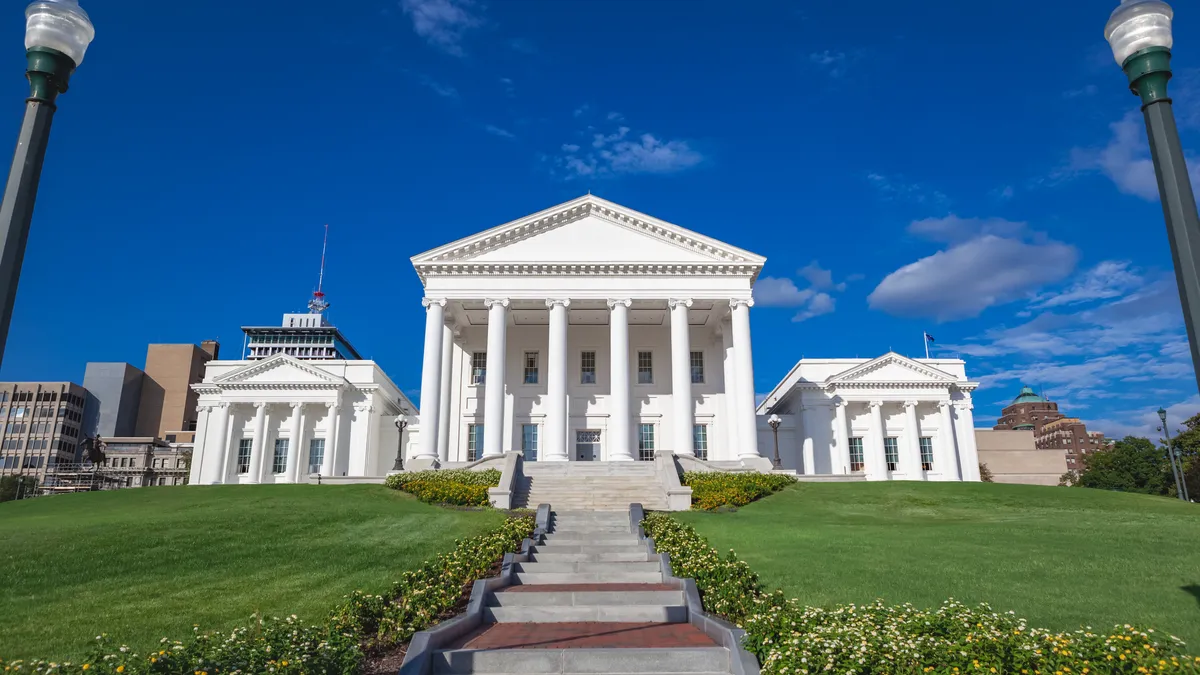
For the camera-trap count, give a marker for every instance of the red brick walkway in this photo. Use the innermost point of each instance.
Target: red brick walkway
(579, 635)
(586, 588)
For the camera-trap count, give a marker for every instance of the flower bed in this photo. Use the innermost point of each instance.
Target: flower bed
(712, 490)
(363, 624)
(953, 639)
(457, 487)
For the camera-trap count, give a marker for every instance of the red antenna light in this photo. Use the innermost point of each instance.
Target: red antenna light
(318, 304)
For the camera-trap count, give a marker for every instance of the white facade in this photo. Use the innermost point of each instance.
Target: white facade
(279, 419)
(889, 418)
(587, 331)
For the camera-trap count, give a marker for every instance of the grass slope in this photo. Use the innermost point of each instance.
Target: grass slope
(1063, 557)
(147, 563)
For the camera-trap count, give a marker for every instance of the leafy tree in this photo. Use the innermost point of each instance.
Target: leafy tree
(1187, 444)
(1130, 465)
(985, 474)
(13, 487)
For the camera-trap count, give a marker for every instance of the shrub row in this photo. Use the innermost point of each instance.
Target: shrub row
(712, 490)
(953, 639)
(287, 646)
(457, 487)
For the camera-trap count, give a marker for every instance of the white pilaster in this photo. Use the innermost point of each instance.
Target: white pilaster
(220, 442)
(256, 443)
(294, 425)
(744, 364)
(947, 449)
(331, 435)
(299, 472)
(912, 438)
(200, 458)
(497, 354)
(682, 413)
(620, 430)
(964, 429)
(730, 397)
(877, 462)
(443, 432)
(841, 434)
(431, 378)
(554, 444)
(804, 428)
(360, 439)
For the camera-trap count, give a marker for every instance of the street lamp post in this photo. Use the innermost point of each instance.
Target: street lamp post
(1139, 32)
(57, 35)
(774, 421)
(401, 425)
(1180, 488)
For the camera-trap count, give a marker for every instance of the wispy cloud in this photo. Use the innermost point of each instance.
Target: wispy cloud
(813, 301)
(497, 131)
(510, 89)
(522, 45)
(1087, 90)
(832, 62)
(618, 151)
(1109, 279)
(443, 23)
(439, 88)
(780, 292)
(1125, 159)
(896, 188)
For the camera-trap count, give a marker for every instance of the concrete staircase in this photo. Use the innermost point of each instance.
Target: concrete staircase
(591, 600)
(588, 486)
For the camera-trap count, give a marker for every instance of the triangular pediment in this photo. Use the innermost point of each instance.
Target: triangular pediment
(892, 368)
(588, 230)
(279, 369)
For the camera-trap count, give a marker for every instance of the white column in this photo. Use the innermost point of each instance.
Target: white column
(431, 378)
(912, 438)
(947, 448)
(293, 442)
(877, 462)
(443, 432)
(732, 437)
(360, 439)
(299, 471)
(683, 413)
(804, 426)
(200, 458)
(256, 444)
(841, 434)
(964, 431)
(331, 434)
(554, 445)
(220, 472)
(744, 364)
(497, 355)
(620, 430)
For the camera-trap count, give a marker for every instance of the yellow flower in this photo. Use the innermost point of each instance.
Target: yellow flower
(121, 669)
(86, 666)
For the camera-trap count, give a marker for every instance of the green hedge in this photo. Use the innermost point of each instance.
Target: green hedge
(879, 639)
(364, 623)
(457, 487)
(712, 490)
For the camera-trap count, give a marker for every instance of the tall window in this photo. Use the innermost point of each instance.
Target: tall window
(281, 453)
(316, 455)
(587, 368)
(700, 441)
(856, 455)
(646, 442)
(892, 453)
(529, 442)
(697, 367)
(243, 456)
(531, 367)
(478, 367)
(927, 453)
(474, 441)
(645, 368)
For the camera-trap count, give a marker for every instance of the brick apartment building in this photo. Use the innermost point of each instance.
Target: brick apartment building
(1052, 429)
(40, 426)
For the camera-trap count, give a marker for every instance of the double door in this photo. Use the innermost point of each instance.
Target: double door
(587, 445)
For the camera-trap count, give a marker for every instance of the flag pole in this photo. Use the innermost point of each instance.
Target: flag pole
(925, 339)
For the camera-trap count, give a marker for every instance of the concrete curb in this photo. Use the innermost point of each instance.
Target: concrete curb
(418, 660)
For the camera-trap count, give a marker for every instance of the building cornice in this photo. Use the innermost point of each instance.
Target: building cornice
(591, 269)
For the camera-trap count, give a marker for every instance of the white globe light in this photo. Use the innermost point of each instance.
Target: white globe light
(61, 25)
(1138, 25)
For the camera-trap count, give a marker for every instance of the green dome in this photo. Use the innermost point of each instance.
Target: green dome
(1023, 427)
(1027, 396)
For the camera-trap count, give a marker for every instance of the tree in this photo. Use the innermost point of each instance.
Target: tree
(985, 474)
(17, 487)
(1187, 444)
(1131, 465)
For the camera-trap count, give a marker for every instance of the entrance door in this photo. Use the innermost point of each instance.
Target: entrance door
(587, 445)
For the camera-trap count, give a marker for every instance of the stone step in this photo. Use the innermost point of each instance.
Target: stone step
(588, 613)
(588, 598)
(583, 528)
(640, 555)
(575, 469)
(588, 548)
(589, 567)
(691, 660)
(583, 538)
(606, 576)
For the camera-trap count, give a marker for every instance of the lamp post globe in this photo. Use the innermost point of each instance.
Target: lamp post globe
(774, 423)
(402, 421)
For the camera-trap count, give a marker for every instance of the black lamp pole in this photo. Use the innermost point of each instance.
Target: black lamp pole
(401, 425)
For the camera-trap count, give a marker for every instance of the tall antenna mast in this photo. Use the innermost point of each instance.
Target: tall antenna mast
(318, 303)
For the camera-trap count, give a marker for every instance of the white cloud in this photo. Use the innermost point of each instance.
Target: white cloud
(834, 63)
(442, 23)
(893, 188)
(821, 279)
(522, 45)
(438, 88)
(509, 89)
(776, 292)
(813, 301)
(617, 152)
(821, 303)
(1087, 90)
(1145, 423)
(1109, 279)
(497, 131)
(1125, 159)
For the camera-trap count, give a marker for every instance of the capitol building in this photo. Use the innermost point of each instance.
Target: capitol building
(587, 332)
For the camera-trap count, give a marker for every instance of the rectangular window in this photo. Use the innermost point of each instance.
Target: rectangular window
(646, 442)
(927, 453)
(474, 441)
(243, 456)
(892, 452)
(587, 368)
(700, 440)
(697, 367)
(529, 442)
(645, 368)
(281, 453)
(478, 367)
(531, 367)
(316, 455)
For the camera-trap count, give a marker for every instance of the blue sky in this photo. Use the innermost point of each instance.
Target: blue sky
(939, 166)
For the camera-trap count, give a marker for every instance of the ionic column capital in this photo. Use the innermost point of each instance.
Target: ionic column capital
(429, 302)
(676, 302)
(734, 303)
(261, 406)
(296, 405)
(204, 408)
(875, 405)
(613, 303)
(943, 405)
(551, 302)
(492, 302)
(910, 405)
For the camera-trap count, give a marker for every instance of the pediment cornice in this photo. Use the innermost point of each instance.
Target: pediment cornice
(238, 378)
(853, 376)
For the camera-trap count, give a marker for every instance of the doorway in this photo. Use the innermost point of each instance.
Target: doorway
(587, 445)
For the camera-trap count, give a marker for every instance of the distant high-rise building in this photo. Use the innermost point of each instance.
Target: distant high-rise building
(1052, 430)
(40, 426)
(114, 394)
(168, 405)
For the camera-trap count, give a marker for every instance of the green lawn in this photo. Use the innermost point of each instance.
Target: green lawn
(1063, 557)
(146, 563)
